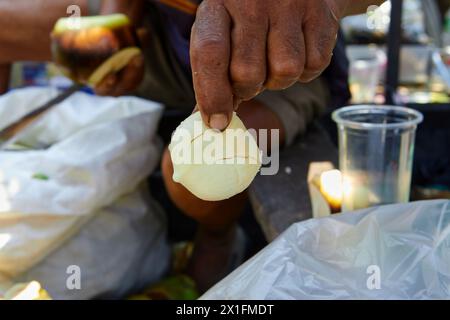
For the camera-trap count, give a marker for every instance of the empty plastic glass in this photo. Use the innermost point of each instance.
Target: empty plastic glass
(376, 146)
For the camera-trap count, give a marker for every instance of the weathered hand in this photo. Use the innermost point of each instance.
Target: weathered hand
(241, 47)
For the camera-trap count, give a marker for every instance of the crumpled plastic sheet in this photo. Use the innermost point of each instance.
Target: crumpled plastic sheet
(399, 251)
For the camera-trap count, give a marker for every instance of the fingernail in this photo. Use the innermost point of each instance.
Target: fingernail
(218, 121)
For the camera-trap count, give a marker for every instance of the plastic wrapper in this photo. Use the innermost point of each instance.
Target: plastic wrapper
(397, 251)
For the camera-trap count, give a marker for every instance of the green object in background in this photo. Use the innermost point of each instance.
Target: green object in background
(40, 176)
(178, 287)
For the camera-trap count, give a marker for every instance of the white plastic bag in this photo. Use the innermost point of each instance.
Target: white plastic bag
(122, 249)
(397, 251)
(101, 150)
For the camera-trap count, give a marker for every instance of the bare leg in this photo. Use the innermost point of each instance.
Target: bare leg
(217, 220)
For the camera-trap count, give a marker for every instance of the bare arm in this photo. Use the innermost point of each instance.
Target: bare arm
(26, 27)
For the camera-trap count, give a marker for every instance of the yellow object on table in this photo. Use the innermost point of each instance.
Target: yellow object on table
(331, 188)
(177, 287)
(26, 291)
(324, 190)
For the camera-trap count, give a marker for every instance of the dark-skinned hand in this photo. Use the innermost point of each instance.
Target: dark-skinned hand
(241, 47)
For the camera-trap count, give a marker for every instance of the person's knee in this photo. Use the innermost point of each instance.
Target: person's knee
(177, 193)
(214, 214)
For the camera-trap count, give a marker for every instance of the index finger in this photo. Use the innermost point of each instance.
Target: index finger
(210, 60)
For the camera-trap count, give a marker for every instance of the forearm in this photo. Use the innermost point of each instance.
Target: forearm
(26, 27)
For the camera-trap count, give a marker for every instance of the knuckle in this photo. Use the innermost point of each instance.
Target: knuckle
(305, 78)
(247, 75)
(274, 84)
(208, 43)
(206, 7)
(317, 62)
(286, 69)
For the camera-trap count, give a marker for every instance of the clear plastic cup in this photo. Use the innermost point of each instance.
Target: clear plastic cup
(366, 68)
(364, 77)
(376, 146)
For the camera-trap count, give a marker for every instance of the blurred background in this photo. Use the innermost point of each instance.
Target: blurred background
(403, 63)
